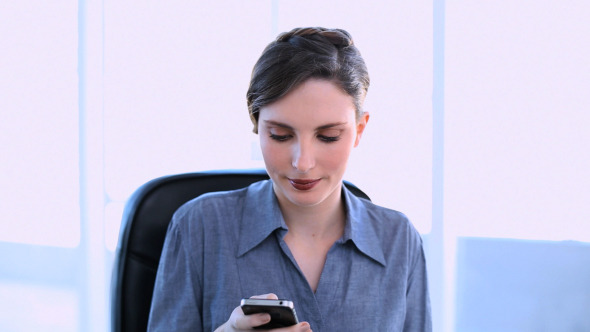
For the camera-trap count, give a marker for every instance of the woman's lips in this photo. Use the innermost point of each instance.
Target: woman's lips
(304, 184)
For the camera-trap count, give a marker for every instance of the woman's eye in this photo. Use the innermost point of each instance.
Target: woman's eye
(328, 139)
(280, 138)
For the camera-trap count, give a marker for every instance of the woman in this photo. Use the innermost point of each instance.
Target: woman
(347, 264)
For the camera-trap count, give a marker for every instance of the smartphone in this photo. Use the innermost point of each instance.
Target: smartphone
(282, 312)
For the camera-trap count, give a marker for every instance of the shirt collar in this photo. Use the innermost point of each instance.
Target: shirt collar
(261, 216)
(359, 228)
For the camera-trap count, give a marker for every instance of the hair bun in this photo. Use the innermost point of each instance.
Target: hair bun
(337, 37)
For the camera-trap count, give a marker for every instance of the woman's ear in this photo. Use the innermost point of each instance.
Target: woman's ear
(360, 127)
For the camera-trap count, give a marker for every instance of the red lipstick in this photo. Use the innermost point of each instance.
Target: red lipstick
(304, 184)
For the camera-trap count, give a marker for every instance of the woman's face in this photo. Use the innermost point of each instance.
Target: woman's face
(306, 138)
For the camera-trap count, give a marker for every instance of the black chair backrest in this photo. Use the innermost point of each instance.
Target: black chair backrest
(143, 230)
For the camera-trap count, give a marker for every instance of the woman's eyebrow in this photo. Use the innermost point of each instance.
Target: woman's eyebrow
(331, 125)
(278, 124)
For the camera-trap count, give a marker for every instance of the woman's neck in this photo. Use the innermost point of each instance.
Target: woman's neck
(322, 221)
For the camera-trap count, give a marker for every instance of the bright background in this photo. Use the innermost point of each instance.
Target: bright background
(479, 133)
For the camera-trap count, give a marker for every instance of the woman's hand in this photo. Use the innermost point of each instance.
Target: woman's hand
(240, 322)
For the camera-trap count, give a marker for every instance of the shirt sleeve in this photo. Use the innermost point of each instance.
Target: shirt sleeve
(418, 312)
(176, 302)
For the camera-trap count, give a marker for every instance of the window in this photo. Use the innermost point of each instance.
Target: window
(39, 170)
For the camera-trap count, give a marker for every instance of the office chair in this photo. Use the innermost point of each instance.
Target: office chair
(145, 221)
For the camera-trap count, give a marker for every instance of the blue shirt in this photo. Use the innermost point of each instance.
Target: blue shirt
(222, 247)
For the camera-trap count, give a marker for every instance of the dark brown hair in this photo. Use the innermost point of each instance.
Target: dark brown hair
(305, 53)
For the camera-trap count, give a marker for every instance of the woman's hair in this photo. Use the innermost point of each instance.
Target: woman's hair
(305, 53)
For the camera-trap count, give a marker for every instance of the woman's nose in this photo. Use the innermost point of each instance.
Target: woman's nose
(303, 157)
